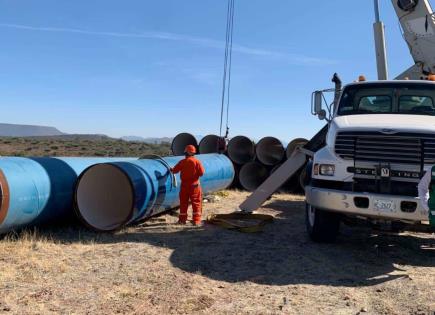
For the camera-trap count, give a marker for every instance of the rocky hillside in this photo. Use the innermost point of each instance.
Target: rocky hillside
(13, 130)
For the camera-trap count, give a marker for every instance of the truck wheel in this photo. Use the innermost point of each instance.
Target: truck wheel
(305, 175)
(322, 226)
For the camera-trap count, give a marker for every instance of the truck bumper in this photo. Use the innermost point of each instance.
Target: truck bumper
(364, 204)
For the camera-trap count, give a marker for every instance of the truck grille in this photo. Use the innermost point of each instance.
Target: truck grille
(401, 148)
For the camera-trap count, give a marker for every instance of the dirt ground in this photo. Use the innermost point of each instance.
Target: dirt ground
(161, 268)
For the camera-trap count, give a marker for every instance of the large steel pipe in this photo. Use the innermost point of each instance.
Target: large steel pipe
(236, 182)
(180, 142)
(291, 147)
(270, 151)
(210, 144)
(112, 195)
(241, 150)
(252, 175)
(39, 190)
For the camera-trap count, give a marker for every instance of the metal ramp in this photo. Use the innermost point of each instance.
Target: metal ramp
(274, 182)
(284, 172)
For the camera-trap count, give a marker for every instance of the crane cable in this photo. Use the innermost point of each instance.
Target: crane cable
(227, 68)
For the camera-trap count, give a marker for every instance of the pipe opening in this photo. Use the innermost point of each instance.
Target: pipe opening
(2, 214)
(294, 144)
(252, 175)
(235, 184)
(180, 142)
(209, 144)
(270, 151)
(4, 197)
(104, 197)
(241, 150)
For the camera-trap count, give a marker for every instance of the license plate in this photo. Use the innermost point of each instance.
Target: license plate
(384, 205)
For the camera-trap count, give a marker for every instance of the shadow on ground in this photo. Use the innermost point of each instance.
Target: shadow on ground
(281, 255)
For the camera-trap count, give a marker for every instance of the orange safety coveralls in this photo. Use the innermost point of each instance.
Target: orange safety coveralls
(191, 170)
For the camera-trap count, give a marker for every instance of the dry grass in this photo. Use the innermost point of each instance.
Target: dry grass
(162, 268)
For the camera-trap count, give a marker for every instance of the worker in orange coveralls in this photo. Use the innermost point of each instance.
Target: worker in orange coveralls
(191, 170)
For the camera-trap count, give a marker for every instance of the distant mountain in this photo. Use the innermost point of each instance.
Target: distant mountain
(71, 137)
(147, 140)
(13, 130)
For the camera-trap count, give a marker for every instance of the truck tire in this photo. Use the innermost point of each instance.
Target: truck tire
(322, 226)
(305, 175)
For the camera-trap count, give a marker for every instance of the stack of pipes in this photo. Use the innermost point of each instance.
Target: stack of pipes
(253, 163)
(270, 153)
(241, 150)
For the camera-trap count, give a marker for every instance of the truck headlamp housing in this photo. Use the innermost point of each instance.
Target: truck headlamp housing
(327, 169)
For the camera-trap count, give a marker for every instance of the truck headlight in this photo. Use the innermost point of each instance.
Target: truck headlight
(327, 169)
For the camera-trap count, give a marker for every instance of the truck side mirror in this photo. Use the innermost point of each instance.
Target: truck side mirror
(317, 103)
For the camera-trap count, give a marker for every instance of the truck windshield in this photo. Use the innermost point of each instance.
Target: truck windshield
(413, 99)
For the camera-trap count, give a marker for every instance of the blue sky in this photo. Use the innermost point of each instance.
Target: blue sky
(154, 68)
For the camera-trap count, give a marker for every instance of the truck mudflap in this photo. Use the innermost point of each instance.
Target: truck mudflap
(388, 207)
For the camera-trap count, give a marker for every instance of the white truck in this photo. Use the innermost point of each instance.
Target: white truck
(381, 136)
(379, 140)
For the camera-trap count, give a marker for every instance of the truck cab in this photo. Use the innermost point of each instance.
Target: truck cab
(380, 142)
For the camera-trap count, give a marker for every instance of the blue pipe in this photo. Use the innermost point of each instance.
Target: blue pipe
(39, 190)
(111, 195)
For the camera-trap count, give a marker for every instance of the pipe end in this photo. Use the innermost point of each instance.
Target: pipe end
(4, 197)
(104, 197)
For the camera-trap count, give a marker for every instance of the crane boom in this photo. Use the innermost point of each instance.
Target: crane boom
(381, 53)
(417, 20)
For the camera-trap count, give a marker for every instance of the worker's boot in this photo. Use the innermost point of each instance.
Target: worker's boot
(182, 217)
(196, 220)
